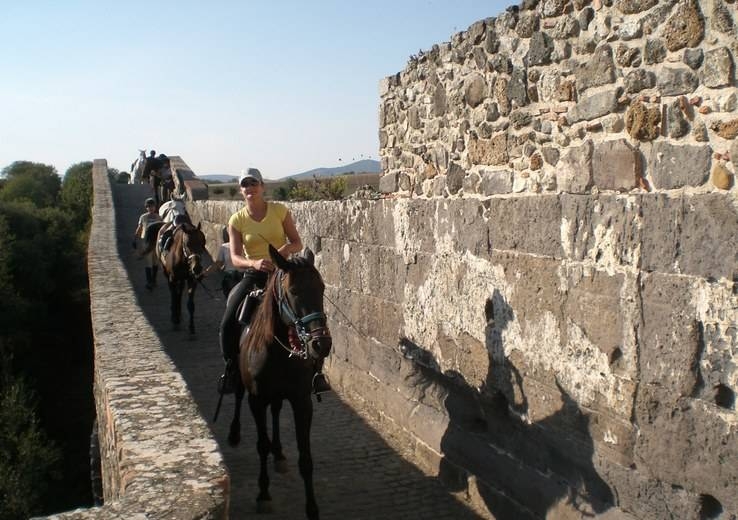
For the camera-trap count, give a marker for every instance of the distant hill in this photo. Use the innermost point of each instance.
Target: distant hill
(219, 178)
(365, 166)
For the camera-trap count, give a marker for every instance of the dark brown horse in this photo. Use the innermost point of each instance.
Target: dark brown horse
(182, 266)
(287, 335)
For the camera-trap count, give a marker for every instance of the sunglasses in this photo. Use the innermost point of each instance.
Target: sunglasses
(247, 183)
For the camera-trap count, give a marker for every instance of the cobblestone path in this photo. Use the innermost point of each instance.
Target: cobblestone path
(358, 476)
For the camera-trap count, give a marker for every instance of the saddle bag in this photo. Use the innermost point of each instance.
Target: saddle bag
(246, 310)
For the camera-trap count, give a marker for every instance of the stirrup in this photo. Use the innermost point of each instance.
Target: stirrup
(228, 381)
(320, 384)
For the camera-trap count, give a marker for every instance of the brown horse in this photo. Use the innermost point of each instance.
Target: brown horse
(287, 335)
(182, 265)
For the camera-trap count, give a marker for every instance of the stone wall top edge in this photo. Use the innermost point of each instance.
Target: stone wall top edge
(186, 485)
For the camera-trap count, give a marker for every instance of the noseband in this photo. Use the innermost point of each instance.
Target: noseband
(186, 250)
(290, 318)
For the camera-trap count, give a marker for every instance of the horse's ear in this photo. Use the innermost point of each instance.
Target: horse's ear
(309, 255)
(278, 259)
(199, 224)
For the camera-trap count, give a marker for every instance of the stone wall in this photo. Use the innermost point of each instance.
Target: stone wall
(569, 96)
(159, 459)
(545, 309)
(541, 354)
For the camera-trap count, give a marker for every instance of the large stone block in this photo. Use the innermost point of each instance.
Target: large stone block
(616, 165)
(540, 217)
(677, 231)
(676, 166)
(606, 230)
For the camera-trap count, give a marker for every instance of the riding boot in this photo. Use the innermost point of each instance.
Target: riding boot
(320, 382)
(149, 278)
(228, 382)
(154, 270)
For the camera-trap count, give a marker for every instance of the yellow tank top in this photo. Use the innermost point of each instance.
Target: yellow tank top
(257, 236)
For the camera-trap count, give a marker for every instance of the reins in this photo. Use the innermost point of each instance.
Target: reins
(290, 318)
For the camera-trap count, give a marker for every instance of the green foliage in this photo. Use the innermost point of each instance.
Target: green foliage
(218, 190)
(331, 188)
(37, 183)
(42, 275)
(27, 457)
(232, 191)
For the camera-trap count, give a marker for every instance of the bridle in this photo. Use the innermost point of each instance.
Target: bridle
(193, 259)
(290, 318)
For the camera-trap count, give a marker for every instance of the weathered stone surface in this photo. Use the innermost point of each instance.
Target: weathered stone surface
(539, 52)
(635, 6)
(718, 68)
(674, 82)
(627, 56)
(726, 129)
(489, 151)
(475, 90)
(639, 79)
(455, 178)
(679, 227)
(542, 215)
(685, 27)
(527, 24)
(615, 165)
(552, 8)
(676, 124)
(675, 166)
(550, 155)
(594, 105)
(642, 122)
(630, 30)
(654, 52)
(495, 182)
(439, 101)
(388, 183)
(693, 58)
(574, 170)
(721, 177)
(517, 89)
(600, 70)
(721, 19)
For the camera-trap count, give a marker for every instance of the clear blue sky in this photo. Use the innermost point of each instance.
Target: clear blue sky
(285, 86)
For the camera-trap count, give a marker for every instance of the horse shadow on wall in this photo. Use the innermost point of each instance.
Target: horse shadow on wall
(521, 469)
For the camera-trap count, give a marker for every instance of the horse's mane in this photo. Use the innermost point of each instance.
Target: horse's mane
(267, 314)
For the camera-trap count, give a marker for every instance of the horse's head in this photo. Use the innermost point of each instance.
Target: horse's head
(193, 247)
(299, 292)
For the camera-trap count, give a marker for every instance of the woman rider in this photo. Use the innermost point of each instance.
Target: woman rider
(250, 232)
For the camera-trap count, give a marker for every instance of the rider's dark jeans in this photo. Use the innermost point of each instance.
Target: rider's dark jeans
(230, 329)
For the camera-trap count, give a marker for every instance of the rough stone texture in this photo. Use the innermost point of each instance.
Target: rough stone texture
(616, 166)
(608, 327)
(685, 27)
(461, 332)
(642, 122)
(676, 166)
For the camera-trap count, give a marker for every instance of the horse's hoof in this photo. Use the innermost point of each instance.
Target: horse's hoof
(263, 506)
(281, 466)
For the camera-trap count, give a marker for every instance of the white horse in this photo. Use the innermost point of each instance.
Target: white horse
(137, 168)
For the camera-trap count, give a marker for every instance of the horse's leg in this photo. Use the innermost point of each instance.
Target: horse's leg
(302, 407)
(280, 461)
(191, 303)
(234, 435)
(175, 289)
(258, 410)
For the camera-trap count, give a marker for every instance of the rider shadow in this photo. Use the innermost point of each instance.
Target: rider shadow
(509, 465)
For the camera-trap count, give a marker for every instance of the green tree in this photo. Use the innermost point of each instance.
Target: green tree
(76, 195)
(35, 182)
(27, 457)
